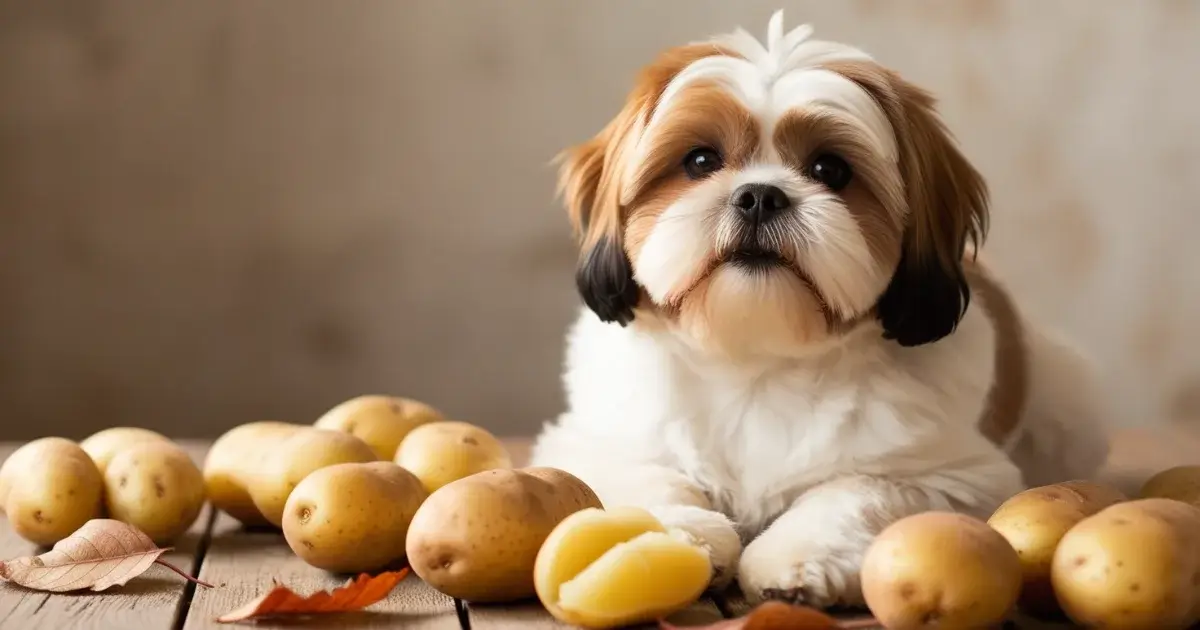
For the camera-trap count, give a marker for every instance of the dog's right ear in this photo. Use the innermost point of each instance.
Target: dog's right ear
(588, 183)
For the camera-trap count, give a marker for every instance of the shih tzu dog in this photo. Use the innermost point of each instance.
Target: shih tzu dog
(788, 342)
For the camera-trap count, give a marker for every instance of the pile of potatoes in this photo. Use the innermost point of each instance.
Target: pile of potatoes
(50, 487)
(378, 481)
(1078, 549)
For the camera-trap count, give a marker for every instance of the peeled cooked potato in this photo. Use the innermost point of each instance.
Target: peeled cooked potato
(940, 570)
(441, 452)
(49, 488)
(604, 569)
(380, 421)
(292, 459)
(1181, 483)
(232, 461)
(155, 487)
(1034, 521)
(477, 538)
(351, 518)
(103, 445)
(1133, 565)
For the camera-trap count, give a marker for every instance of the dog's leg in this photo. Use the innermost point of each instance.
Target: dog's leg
(812, 553)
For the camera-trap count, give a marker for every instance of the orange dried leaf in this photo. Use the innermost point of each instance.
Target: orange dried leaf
(775, 615)
(101, 554)
(354, 595)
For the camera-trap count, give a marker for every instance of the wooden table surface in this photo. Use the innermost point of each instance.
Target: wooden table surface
(242, 566)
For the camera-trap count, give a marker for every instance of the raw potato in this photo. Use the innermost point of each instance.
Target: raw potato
(49, 488)
(155, 487)
(604, 569)
(351, 518)
(380, 421)
(232, 461)
(441, 452)
(103, 445)
(1181, 483)
(940, 570)
(291, 460)
(1133, 565)
(1034, 522)
(477, 538)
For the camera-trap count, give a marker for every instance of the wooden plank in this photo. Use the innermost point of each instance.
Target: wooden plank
(243, 564)
(151, 601)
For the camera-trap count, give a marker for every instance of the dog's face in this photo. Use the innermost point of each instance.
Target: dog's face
(761, 199)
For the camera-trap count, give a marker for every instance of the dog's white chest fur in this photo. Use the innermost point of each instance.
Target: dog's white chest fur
(756, 436)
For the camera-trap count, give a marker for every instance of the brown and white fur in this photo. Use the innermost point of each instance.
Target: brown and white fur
(788, 343)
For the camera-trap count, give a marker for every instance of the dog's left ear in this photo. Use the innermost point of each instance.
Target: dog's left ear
(588, 184)
(947, 204)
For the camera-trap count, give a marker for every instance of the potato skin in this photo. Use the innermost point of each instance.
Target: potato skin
(1034, 521)
(232, 461)
(478, 538)
(380, 421)
(351, 518)
(1181, 483)
(51, 487)
(103, 445)
(155, 487)
(1132, 565)
(940, 570)
(441, 452)
(299, 454)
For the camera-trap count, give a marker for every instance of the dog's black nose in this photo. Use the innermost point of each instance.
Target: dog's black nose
(760, 202)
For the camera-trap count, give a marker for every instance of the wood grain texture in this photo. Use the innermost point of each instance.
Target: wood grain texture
(151, 601)
(242, 564)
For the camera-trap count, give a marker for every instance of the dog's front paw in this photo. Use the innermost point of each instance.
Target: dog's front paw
(708, 530)
(800, 572)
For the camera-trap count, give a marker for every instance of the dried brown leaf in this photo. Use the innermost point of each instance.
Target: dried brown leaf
(354, 595)
(775, 615)
(101, 554)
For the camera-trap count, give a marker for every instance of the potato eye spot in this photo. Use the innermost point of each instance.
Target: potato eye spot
(37, 516)
(1080, 561)
(1135, 587)
(307, 545)
(159, 489)
(122, 482)
(470, 440)
(305, 514)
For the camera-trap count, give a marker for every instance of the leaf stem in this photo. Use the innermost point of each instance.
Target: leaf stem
(181, 572)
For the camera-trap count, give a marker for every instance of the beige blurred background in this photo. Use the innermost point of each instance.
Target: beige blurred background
(221, 211)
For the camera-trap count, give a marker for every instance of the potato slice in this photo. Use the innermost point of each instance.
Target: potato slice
(604, 569)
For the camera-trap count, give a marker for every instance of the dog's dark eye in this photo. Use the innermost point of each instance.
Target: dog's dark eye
(700, 163)
(832, 171)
